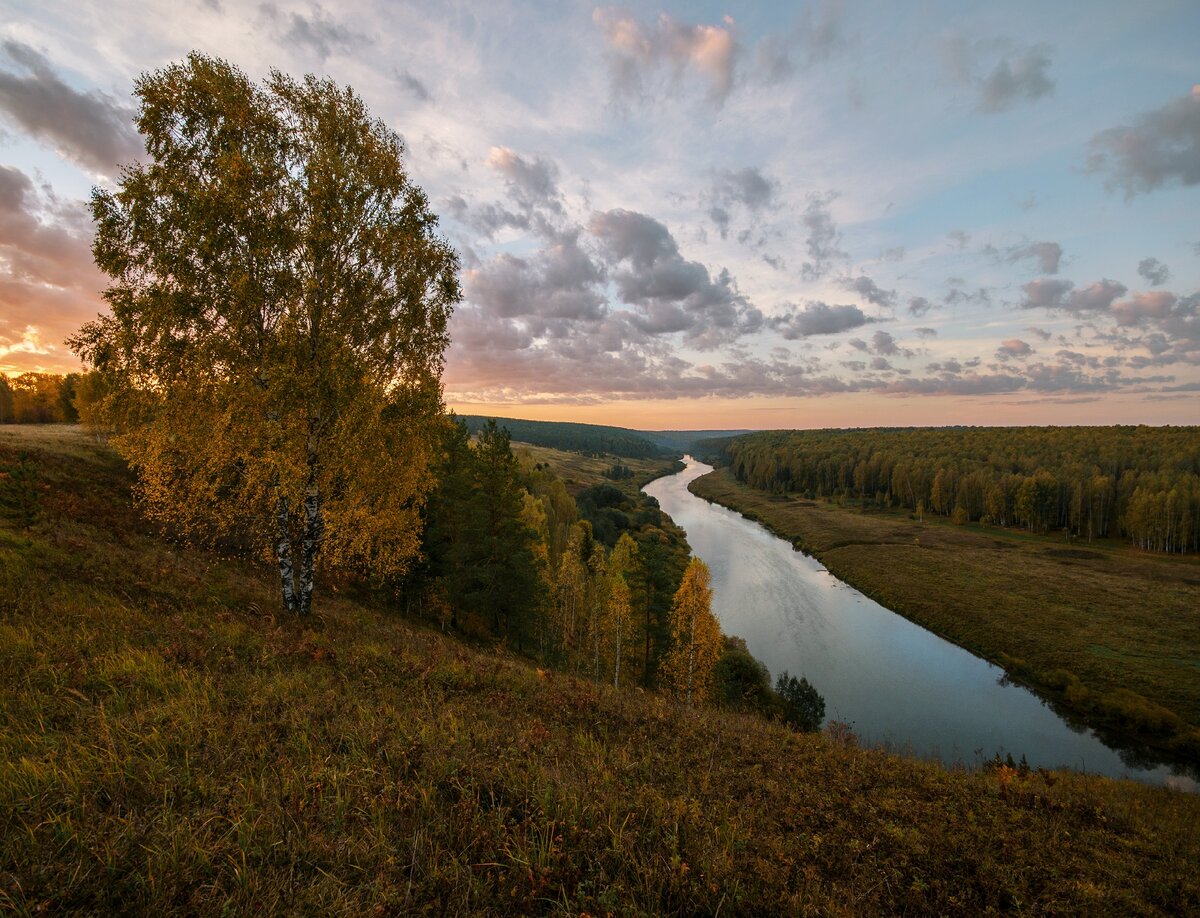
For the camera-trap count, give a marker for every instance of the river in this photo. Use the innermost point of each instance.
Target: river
(895, 683)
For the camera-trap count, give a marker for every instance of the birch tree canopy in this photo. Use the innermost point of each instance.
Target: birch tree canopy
(279, 299)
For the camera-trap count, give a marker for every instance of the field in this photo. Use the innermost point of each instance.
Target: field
(580, 472)
(1085, 623)
(170, 745)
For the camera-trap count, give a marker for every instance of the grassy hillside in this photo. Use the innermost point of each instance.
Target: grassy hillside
(168, 745)
(579, 472)
(590, 439)
(1086, 625)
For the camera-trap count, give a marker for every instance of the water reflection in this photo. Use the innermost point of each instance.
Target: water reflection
(896, 683)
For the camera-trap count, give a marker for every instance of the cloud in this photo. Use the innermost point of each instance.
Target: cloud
(319, 32)
(1154, 271)
(822, 236)
(925, 333)
(884, 344)
(559, 282)
(1061, 295)
(815, 38)
(1142, 306)
(90, 128)
(1048, 255)
(919, 305)
(869, 290)
(639, 52)
(48, 282)
(746, 188)
(414, 86)
(532, 184)
(959, 239)
(1095, 297)
(1013, 348)
(671, 293)
(1045, 293)
(1019, 77)
(817, 318)
(1160, 148)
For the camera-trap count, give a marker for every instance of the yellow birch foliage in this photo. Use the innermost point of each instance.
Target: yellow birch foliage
(687, 669)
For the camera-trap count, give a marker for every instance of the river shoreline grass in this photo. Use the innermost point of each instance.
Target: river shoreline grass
(169, 744)
(1106, 633)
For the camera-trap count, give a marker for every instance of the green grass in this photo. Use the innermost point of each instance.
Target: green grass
(168, 745)
(1084, 623)
(580, 472)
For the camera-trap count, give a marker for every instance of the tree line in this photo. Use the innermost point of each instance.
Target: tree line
(1140, 483)
(39, 398)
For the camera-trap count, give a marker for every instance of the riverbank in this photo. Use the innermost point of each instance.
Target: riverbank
(170, 745)
(1108, 635)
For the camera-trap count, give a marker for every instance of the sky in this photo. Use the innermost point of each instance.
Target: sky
(693, 215)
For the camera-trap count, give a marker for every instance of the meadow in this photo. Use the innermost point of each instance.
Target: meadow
(1106, 631)
(170, 744)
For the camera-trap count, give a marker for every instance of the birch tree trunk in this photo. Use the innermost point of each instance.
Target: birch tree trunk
(314, 526)
(283, 551)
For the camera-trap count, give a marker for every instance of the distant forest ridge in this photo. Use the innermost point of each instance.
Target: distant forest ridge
(1138, 483)
(598, 439)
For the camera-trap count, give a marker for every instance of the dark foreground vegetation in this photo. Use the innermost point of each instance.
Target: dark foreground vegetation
(1107, 632)
(169, 743)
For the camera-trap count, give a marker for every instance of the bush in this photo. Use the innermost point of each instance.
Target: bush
(804, 707)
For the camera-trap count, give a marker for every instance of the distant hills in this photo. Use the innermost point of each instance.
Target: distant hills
(598, 439)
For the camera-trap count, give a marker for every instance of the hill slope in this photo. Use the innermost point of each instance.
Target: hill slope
(168, 745)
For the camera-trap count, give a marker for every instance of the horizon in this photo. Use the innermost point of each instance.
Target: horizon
(693, 216)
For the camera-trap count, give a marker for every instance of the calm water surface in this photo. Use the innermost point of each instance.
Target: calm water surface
(895, 682)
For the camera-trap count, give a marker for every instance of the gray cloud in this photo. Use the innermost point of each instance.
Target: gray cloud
(1154, 271)
(959, 239)
(414, 86)
(816, 37)
(1013, 348)
(869, 290)
(638, 53)
(925, 333)
(746, 188)
(817, 318)
(48, 282)
(821, 242)
(1159, 148)
(1045, 293)
(671, 293)
(1048, 255)
(1019, 77)
(532, 184)
(1156, 305)
(319, 32)
(90, 128)
(919, 305)
(560, 282)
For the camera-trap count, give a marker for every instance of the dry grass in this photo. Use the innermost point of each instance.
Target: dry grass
(168, 746)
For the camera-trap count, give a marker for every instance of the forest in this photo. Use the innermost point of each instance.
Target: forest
(1141, 484)
(590, 439)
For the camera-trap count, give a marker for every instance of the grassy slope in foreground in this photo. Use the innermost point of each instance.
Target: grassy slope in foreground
(167, 745)
(1115, 618)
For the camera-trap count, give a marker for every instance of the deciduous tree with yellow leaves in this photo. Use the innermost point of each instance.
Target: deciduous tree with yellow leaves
(696, 637)
(279, 300)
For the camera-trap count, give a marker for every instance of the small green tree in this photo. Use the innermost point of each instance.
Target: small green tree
(804, 707)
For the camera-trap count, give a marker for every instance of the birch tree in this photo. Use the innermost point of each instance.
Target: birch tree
(279, 300)
(696, 636)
